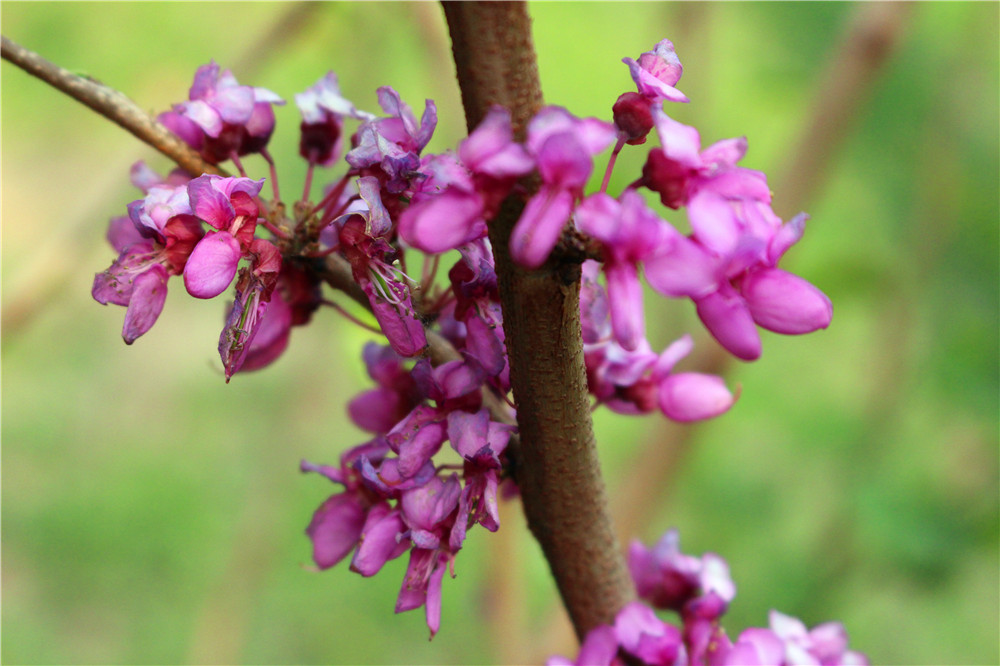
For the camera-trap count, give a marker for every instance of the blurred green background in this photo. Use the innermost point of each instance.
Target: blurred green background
(153, 514)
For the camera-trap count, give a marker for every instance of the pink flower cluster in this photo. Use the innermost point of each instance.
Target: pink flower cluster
(393, 201)
(699, 590)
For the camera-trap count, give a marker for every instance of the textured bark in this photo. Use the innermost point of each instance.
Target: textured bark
(556, 465)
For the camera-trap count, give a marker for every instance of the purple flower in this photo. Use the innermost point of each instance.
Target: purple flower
(477, 306)
(364, 242)
(638, 632)
(638, 381)
(222, 118)
(729, 264)
(246, 319)
(480, 441)
(647, 637)
(707, 181)
(788, 641)
(154, 242)
(824, 644)
(393, 144)
(629, 233)
(656, 72)
(422, 584)
(667, 578)
(340, 522)
(563, 147)
(450, 208)
(229, 206)
(379, 409)
(323, 109)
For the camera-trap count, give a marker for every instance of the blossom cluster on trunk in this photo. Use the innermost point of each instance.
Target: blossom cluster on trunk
(699, 590)
(392, 218)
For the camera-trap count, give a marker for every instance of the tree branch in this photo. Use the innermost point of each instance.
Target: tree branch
(558, 469)
(109, 103)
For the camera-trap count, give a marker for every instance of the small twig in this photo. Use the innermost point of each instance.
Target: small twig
(111, 104)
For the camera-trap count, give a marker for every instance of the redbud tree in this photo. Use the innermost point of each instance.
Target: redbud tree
(507, 281)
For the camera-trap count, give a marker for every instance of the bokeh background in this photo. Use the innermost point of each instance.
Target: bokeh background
(153, 514)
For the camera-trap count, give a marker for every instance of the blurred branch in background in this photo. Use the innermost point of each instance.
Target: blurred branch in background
(853, 69)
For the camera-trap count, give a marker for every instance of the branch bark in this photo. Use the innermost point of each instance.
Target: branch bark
(111, 104)
(557, 467)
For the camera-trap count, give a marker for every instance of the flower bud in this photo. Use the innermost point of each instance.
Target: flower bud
(633, 117)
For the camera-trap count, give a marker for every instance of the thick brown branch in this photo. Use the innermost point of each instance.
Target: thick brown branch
(558, 470)
(111, 104)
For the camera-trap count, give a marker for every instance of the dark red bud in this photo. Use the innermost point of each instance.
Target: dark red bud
(666, 177)
(633, 117)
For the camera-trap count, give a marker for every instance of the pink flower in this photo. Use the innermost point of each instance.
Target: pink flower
(563, 147)
(154, 242)
(393, 144)
(323, 109)
(363, 240)
(656, 72)
(222, 118)
(629, 233)
(248, 335)
(228, 205)
(451, 207)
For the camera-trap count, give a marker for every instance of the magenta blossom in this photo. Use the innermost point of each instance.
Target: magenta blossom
(364, 241)
(379, 409)
(451, 207)
(392, 145)
(154, 242)
(564, 148)
(656, 72)
(667, 578)
(223, 119)
(228, 205)
(788, 642)
(246, 318)
(708, 182)
(323, 110)
(629, 233)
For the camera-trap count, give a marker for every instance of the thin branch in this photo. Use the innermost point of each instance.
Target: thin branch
(558, 471)
(111, 104)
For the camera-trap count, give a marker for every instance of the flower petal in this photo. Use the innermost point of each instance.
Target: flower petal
(785, 303)
(728, 319)
(536, 233)
(149, 292)
(693, 396)
(212, 265)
